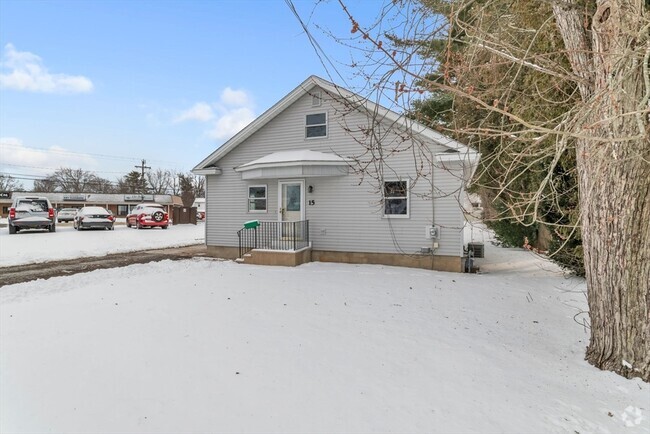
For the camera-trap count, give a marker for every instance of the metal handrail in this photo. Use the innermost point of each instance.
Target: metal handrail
(283, 236)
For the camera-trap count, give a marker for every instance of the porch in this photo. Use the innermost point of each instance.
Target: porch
(274, 243)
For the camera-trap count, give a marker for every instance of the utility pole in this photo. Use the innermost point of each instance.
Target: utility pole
(143, 166)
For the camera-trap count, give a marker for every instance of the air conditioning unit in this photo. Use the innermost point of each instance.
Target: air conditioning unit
(432, 232)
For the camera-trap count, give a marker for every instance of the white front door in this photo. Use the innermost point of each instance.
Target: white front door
(291, 207)
(291, 201)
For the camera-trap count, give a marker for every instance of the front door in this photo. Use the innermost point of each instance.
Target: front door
(291, 207)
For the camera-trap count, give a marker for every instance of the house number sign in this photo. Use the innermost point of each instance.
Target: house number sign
(312, 202)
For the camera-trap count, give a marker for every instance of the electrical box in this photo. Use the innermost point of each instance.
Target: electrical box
(476, 250)
(432, 232)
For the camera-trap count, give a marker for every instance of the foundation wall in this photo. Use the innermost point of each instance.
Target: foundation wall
(439, 263)
(291, 259)
(276, 257)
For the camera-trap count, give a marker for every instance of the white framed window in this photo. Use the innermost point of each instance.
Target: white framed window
(257, 198)
(316, 125)
(396, 199)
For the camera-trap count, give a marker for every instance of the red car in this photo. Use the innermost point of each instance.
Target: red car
(148, 215)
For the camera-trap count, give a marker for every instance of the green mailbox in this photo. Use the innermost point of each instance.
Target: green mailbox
(251, 224)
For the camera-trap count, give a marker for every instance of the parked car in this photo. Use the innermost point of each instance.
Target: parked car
(94, 217)
(148, 215)
(31, 213)
(66, 215)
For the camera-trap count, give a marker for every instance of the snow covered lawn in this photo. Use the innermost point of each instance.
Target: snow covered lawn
(66, 243)
(204, 346)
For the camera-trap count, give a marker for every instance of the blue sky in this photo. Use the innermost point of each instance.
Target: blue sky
(100, 85)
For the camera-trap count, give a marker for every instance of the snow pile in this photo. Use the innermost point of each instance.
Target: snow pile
(213, 346)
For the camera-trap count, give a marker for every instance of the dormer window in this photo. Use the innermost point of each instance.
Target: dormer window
(316, 125)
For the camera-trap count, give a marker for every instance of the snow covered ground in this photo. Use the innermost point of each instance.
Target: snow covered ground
(204, 346)
(67, 243)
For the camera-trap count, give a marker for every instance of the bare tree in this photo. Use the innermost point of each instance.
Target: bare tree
(160, 181)
(603, 54)
(71, 180)
(9, 183)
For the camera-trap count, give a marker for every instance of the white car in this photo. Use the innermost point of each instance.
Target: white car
(94, 217)
(66, 215)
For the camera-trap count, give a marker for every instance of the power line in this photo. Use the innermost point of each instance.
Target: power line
(53, 168)
(57, 151)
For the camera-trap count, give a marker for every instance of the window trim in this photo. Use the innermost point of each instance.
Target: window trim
(326, 124)
(248, 199)
(407, 197)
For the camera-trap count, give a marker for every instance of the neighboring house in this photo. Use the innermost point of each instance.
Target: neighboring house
(199, 204)
(334, 177)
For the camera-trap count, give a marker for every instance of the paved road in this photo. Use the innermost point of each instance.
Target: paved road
(45, 270)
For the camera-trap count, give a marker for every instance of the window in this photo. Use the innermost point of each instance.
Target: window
(316, 125)
(257, 198)
(122, 209)
(396, 198)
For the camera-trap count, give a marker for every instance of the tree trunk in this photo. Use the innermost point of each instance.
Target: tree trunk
(613, 166)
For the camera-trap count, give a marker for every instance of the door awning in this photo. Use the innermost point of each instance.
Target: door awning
(299, 163)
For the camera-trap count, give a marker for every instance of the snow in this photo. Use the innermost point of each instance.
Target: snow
(300, 155)
(213, 346)
(67, 243)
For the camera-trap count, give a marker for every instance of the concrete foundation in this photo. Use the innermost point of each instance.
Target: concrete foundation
(292, 259)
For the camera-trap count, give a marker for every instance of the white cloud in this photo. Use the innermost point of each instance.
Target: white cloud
(24, 71)
(234, 110)
(231, 123)
(235, 98)
(201, 112)
(17, 158)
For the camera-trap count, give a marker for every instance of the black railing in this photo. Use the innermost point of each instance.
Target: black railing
(274, 236)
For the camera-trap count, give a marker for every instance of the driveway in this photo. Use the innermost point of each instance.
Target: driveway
(44, 270)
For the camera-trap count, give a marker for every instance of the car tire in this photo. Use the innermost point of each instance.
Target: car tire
(12, 229)
(158, 216)
(128, 225)
(112, 228)
(164, 227)
(138, 225)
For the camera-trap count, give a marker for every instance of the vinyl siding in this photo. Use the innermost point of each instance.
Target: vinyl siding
(347, 215)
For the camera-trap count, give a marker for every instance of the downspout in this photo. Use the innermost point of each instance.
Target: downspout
(433, 206)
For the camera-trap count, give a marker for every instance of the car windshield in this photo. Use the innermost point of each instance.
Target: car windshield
(94, 210)
(151, 209)
(32, 205)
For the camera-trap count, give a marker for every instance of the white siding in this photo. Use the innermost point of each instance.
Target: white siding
(346, 216)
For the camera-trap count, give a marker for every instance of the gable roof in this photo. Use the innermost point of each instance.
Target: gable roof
(207, 165)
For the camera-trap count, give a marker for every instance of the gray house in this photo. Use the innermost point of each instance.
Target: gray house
(325, 175)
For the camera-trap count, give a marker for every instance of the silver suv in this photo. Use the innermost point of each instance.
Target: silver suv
(31, 213)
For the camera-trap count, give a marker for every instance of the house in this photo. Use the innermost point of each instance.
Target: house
(326, 175)
(199, 204)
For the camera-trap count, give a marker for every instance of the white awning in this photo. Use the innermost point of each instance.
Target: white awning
(299, 163)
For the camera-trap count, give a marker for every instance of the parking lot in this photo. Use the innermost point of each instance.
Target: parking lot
(28, 247)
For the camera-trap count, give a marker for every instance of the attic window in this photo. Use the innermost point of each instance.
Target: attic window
(316, 125)
(316, 99)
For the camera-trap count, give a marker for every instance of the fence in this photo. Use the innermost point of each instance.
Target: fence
(274, 236)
